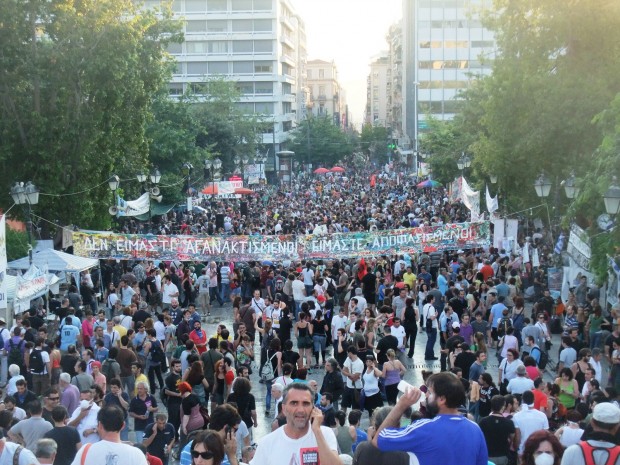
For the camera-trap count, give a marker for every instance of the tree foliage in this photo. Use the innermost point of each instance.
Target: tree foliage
(374, 142)
(318, 141)
(77, 80)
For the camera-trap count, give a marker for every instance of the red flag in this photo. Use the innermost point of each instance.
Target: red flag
(361, 270)
(373, 180)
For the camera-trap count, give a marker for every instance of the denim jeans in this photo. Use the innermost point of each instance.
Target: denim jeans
(225, 292)
(214, 295)
(268, 396)
(430, 343)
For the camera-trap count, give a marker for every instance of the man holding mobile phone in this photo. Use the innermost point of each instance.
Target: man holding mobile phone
(302, 440)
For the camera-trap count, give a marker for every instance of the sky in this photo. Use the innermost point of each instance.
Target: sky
(350, 32)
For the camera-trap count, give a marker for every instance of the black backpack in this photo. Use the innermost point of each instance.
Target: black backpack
(157, 353)
(279, 284)
(544, 358)
(15, 356)
(36, 364)
(331, 288)
(503, 325)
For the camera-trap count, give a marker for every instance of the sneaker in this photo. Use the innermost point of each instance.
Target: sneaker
(267, 413)
(208, 313)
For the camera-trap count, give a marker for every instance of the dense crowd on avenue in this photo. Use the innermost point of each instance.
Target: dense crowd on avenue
(141, 375)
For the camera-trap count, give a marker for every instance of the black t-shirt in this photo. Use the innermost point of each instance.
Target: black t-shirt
(140, 316)
(486, 394)
(385, 343)
(188, 403)
(67, 363)
(318, 327)
(172, 381)
(245, 406)
(47, 415)
(162, 439)
(139, 407)
(286, 326)
(150, 284)
(111, 399)
(290, 356)
(464, 360)
(67, 438)
(496, 431)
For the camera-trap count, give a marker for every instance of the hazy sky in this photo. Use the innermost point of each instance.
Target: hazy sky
(349, 32)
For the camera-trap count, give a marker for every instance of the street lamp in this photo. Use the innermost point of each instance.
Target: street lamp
(260, 159)
(542, 186)
(493, 178)
(113, 182)
(26, 195)
(156, 176)
(571, 189)
(213, 166)
(463, 162)
(153, 191)
(241, 162)
(612, 198)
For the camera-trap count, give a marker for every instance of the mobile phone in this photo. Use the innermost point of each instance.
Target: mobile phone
(228, 431)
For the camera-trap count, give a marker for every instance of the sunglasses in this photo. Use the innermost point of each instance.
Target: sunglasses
(54, 398)
(208, 455)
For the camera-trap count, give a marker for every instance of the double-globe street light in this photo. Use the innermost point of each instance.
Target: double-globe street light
(212, 165)
(26, 194)
(463, 162)
(149, 187)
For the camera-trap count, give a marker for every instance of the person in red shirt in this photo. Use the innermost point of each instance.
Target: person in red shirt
(487, 270)
(151, 459)
(199, 337)
(540, 398)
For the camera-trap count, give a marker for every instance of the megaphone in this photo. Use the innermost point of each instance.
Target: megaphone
(157, 198)
(154, 191)
(113, 211)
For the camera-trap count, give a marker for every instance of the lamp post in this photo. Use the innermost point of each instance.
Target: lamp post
(151, 188)
(612, 198)
(213, 166)
(240, 163)
(571, 187)
(260, 159)
(463, 162)
(28, 195)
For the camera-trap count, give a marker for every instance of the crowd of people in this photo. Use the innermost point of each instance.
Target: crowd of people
(330, 341)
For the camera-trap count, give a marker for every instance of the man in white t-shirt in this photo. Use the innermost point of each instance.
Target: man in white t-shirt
(338, 321)
(7, 454)
(110, 449)
(528, 419)
(398, 331)
(353, 369)
(168, 291)
(302, 440)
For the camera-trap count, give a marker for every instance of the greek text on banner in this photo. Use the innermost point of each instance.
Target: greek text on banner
(285, 247)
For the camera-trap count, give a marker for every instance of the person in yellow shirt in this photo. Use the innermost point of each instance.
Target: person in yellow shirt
(218, 334)
(136, 370)
(409, 278)
(120, 329)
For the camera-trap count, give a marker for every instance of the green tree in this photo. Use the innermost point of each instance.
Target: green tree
(316, 140)
(16, 244)
(374, 142)
(553, 73)
(76, 87)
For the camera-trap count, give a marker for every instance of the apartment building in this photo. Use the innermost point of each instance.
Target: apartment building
(379, 90)
(325, 95)
(258, 44)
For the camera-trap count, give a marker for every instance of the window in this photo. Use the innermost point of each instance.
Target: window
(263, 67)
(321, 91)
(262, 25)
(286, 88)
(263, 5)
(482, 44)
(264, 108)
(241, 5)
(445, 84)
(245, 107)
(218, 67)
(321, 74)
(242, 67)
(175, 88)
(321, 109)
(217, 5)
(265, 88)
(178, 68)
(175, 48)
(198, 47)
(197, 68)
(195, 26)
(218, 47)
(309, 74)
(263, 46)
(447, 64)
(217, 25)
(242, 46)
(456, 44)
(195, 6)
(197, 88)
(245, 87)
(242, 25)
(286, 107)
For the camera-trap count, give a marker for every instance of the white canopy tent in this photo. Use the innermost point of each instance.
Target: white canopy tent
(54, 261)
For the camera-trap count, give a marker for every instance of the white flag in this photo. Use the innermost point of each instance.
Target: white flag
(492, 203)
(3, 262)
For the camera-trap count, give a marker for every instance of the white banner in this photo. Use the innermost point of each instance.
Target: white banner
(492, 203)
(137, 207)
(471, 199)
(2, 262)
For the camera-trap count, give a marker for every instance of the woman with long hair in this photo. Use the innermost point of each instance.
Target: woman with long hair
(319, 337)
(372, 392)
(268, 334)
(303, 332)
(422, 293)
(196, 379)
(222, 382)
(540, 443)
(508, 369)
(246, 403)
(191, 418)
(410, 317)
(569, 388)
(236, 306)
(370, 335)
(274, 356)
(393, 371)
(188, 288)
